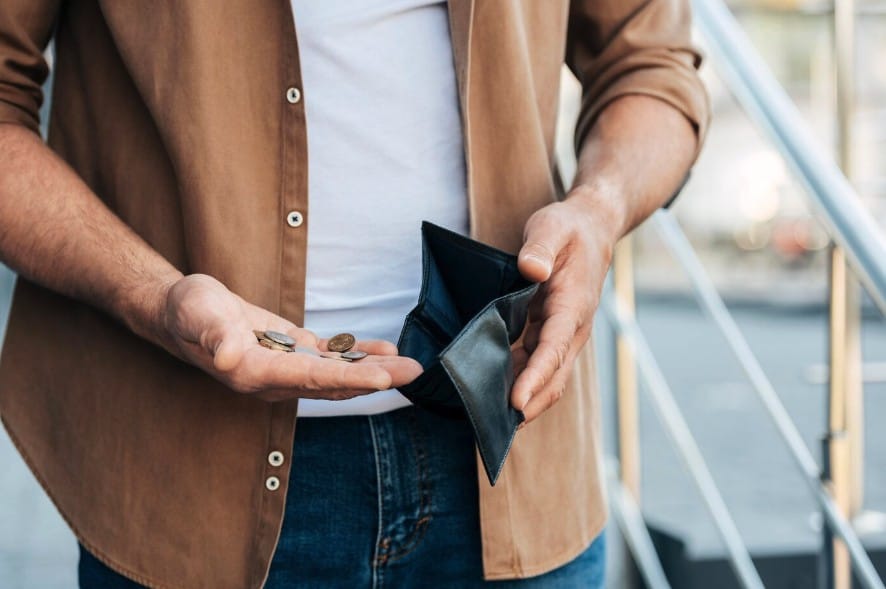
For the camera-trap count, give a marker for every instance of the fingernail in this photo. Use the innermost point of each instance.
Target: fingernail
(525, 403)
(543, 261)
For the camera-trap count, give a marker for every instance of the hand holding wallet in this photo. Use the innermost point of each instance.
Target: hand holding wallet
(473, 305)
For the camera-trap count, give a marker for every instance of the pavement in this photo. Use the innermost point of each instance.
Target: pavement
(753, 469)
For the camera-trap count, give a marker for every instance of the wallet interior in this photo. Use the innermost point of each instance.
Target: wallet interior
(461, 277)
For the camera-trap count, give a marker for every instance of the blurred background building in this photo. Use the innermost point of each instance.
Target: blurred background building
(748, 218)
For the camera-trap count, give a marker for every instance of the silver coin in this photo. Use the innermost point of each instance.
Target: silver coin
(334, 356)
(354, 355)
(281, 338)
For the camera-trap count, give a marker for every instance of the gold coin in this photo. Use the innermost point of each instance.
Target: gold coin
(341, 342)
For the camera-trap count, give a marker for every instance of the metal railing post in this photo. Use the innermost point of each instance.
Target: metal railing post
(626, 403)
(626, 373)
(844, 407)
(845, 466)
(687, 448)
(712, 303)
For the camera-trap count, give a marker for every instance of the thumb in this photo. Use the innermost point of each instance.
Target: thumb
(228, 349)
(542, 244)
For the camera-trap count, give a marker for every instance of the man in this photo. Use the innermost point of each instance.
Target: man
(207, 175)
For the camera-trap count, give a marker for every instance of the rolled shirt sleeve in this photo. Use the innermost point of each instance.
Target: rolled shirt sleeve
(25, 29)
(622, 47)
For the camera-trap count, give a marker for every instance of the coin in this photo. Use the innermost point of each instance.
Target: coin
(334, 356)
(341, 342)
(280, 338)
(272, 345)
(354, 355)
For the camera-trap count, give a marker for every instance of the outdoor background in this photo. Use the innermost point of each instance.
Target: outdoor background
(746, 215)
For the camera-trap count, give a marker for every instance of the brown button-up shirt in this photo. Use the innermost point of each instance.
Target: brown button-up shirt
(188, 120)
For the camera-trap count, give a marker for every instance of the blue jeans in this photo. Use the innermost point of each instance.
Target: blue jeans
(387, 500)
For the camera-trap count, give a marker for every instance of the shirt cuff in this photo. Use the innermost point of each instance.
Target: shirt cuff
(681, 89)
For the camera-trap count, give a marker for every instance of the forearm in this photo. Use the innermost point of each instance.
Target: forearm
(55, 231)
(634, 158)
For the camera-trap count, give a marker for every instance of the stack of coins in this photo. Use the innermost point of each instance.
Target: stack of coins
(340, 346)
(275, 340)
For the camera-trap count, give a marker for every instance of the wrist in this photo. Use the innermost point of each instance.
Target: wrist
(144, 309)
(603, 203)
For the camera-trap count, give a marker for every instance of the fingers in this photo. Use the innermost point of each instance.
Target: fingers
(235, 339)
(544, 399)
(540, 384)
(259, 370)
(551, 353)
(315, 375)
(519, 358)
(227, 351)
(532, 333)
(304, 337)
(374, 347)
(275, 395)
(403, 370)
(553, 391)
(213, 328)
(543, 241)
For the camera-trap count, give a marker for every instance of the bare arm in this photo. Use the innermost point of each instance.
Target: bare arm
(643, 115)
(632, 161)
(55, 231)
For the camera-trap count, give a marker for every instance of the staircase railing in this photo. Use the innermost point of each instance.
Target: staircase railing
(858, 245)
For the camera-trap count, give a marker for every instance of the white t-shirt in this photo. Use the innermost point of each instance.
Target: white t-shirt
(385, 151)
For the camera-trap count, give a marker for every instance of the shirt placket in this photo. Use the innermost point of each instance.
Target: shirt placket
(293, 230)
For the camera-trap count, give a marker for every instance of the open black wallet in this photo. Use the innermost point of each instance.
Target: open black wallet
(473, 305)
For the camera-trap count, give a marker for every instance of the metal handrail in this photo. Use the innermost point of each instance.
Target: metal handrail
(833, 199)
(678, 430)
(630, 520)
(859, 242)
(712, 303)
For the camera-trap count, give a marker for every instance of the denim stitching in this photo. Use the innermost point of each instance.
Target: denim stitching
(421, 525)
(424, 490)
(412, 542)
(376, 573)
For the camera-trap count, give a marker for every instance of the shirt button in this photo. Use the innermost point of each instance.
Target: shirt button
(295, 219)
(293, 95)
(275, 458)
(272, 484)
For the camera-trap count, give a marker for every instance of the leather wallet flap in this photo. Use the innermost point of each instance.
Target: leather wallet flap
(473, 305)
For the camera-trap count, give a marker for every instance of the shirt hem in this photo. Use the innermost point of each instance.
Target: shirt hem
(556, 561)
(95, 551)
